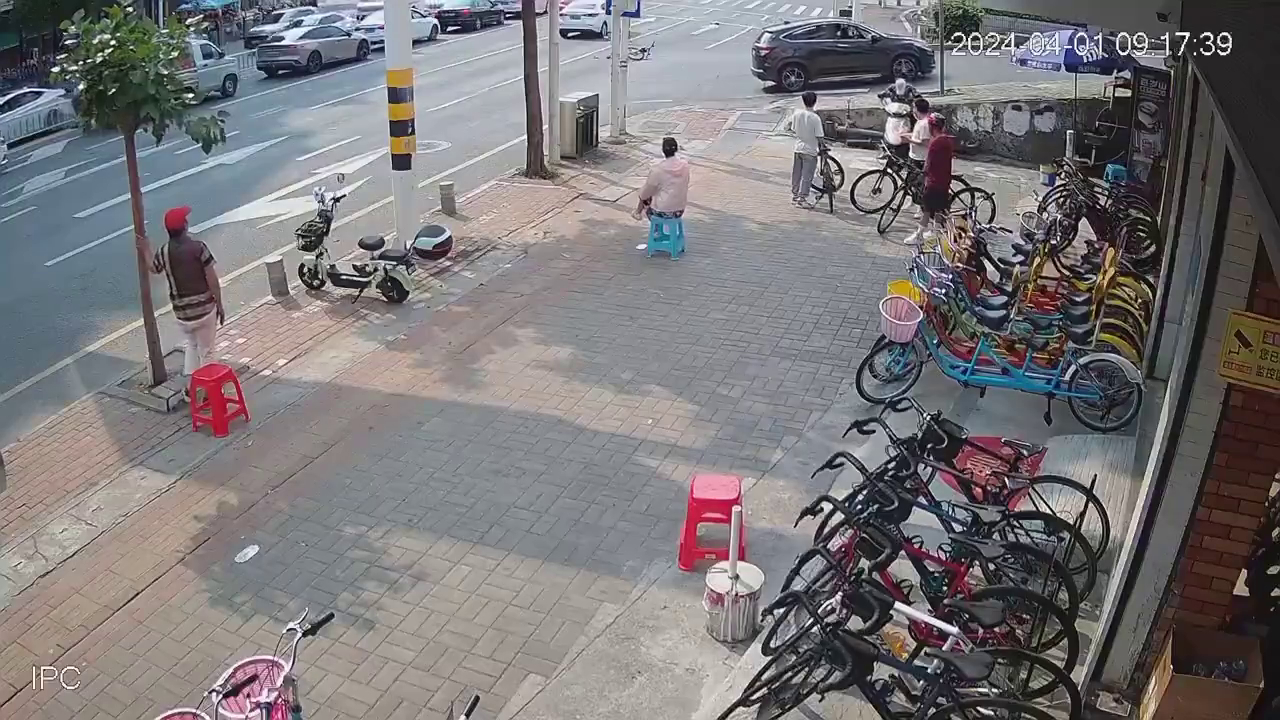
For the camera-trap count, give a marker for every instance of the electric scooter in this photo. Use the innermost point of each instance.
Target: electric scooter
(387, 269)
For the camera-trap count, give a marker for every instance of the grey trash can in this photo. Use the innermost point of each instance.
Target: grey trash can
(579, 124)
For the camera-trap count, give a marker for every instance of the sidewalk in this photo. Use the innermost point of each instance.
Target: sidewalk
(489, 502)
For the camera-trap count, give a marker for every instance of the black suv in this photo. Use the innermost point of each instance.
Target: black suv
(795, 54)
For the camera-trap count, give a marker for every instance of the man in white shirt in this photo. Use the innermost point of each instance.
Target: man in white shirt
(807, 127)
(919, 138)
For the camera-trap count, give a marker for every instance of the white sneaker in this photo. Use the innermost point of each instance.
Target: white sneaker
(913, 239)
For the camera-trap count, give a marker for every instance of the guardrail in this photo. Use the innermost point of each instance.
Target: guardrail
(246, 60)
(28, 126)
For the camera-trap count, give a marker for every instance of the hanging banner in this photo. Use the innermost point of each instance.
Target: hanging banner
(1251, 351)
(1149, 137)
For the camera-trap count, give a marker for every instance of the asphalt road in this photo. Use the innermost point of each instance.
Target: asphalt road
(68, 289)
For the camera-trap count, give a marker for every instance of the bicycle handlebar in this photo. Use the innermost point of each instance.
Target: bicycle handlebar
(315, 627)
(238, 688)
(471, 705)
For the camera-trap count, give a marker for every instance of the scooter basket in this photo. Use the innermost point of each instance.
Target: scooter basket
(310, 235)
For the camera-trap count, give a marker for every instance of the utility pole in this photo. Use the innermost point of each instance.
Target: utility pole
(400, 116)
(616, 64)
(942, 51)
(624, 48)
(553, 81)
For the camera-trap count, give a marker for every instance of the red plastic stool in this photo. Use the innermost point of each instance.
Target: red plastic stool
(711, 501)
(212, 378)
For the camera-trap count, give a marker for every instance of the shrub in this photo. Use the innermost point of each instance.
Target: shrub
(961, 16)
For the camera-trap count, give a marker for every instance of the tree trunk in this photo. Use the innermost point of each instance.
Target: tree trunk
(535, 164)
(142, 248)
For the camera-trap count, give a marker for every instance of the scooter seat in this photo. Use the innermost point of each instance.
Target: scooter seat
(1080, 334)
(393, 255)
(1037, 344)
(1040, 323)
(1077, 315)
(1021, 248)
(372, 243)
(1079, 298)
(991, 319)
(993, 302)
(1012, 262)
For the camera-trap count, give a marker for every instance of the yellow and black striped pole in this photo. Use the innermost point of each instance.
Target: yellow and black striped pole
(400, 116)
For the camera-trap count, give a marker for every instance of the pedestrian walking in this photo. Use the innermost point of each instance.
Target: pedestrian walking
(807, 127)
(937, 179)
(194, 289)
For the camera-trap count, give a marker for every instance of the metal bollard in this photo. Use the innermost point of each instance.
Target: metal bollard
(448, 200)
(276, 277)
(3, 482)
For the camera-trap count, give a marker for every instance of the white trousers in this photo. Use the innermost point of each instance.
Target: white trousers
(200, 335)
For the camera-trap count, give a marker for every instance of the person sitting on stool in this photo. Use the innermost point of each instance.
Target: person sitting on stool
(666, 192)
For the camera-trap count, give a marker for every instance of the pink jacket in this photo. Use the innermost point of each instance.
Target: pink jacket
(668, 185)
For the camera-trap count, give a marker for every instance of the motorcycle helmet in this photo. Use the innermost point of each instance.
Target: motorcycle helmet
(433, 242)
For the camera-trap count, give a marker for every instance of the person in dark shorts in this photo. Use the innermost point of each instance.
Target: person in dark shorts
(937, 179)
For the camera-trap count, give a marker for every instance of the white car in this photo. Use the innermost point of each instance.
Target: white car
(368, 7)
(422, 25)
(30, 111)
(584, 17)
(344, 21)
(513, 7)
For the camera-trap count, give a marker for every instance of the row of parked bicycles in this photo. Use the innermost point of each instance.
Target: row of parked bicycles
(992, 609)
(1064, 315)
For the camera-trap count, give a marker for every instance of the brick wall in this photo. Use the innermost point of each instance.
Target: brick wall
(1244, 461)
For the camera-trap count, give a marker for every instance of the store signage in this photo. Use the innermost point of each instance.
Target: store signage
(630, 8)
(1251, 351)
(1149, 137)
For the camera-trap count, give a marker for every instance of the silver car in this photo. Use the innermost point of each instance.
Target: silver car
(346, 22)
(310, 48)
(30, 111)
(276, 22)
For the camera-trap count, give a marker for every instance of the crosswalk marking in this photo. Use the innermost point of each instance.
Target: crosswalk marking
(799, 10)
(816, 12)
(753, 4)
(784, 8)
(766, 7)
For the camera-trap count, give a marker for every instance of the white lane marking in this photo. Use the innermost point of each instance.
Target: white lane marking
(752, 4)
(642, 21)
(816, 12)
(87, 246)
(326, 149)
(104, 143)
(417, 75)
(183, 151)
(738, 34)
(271, 111)
(18, 214)
(707, 11)
(230, 158)
(83, 173)
(47, 151)
(799, 10)
(705, 28)
(706, 2)
(766, 7)
(520, 78)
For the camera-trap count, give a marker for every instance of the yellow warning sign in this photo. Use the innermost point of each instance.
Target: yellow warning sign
(1251, 351)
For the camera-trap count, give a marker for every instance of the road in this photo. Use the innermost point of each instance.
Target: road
(68, 289)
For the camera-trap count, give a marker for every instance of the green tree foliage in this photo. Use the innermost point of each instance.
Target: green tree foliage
(959, 16)
(44, 15)
(127, 71)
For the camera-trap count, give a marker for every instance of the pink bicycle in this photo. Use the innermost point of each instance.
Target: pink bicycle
(273, 695)
(217, 694)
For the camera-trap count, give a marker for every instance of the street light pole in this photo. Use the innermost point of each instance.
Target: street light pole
(616, 60)
(624, 49)
(553, 81)
(400, 115)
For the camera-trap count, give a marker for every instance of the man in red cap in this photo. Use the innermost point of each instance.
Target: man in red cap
(194, 289)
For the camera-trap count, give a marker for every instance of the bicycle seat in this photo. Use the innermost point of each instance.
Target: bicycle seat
(988, 549)
(1011, 263)
(372, 243)
(1080, 334)
(957, 176)
(992, 302)
(1091, 263)
(393, 255)
(986, 614)
(1039, 323)
(1078, 298)
(1022, 448)
(970, 667)
(991, 319)
(1076, 315)
(987, 515)
(1021, 248)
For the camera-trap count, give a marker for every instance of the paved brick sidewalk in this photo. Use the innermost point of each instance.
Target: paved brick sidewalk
(468, 499)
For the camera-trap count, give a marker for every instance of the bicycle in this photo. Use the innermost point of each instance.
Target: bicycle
(275, 691)
(829, 177)
(640, 53)
(898, 173)
(217, 694)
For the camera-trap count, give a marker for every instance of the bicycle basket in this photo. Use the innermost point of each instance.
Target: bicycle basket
(311, 235)
(931, 272)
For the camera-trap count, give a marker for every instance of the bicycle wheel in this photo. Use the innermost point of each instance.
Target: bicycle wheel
(1099, 388)
(1026, 676)
(1027, 566)
(993, 708)
(1070, 500)
(785, 680)
(895, 366)
(890, 212)
(836, 172)
(977, 203)
(1033, 623)
(1114, 338)
(1053, 535)
(873, 190)
(817, 579)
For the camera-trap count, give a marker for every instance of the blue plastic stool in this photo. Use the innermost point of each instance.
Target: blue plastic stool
(1115, 174)
(667, 235)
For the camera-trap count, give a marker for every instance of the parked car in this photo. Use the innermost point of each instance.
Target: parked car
(273, 24)
(513, 7)
(584, 17)
(206, 69)
(346, 22)
(795, 54)
(423, 25)
(31, 111)
(369, 7)
(470, 14)
(308, 49)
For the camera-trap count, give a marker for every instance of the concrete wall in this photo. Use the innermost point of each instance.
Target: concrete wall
(1032, 131)
(1125, 15)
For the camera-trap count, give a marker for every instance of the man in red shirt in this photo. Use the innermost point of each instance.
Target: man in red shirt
(937, 178)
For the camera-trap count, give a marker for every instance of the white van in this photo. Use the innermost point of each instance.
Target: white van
(206, 69)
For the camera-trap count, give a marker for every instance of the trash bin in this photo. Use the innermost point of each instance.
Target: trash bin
(579, 124)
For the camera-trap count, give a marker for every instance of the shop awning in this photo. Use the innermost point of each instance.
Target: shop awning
(8, 39)
(208, 5)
